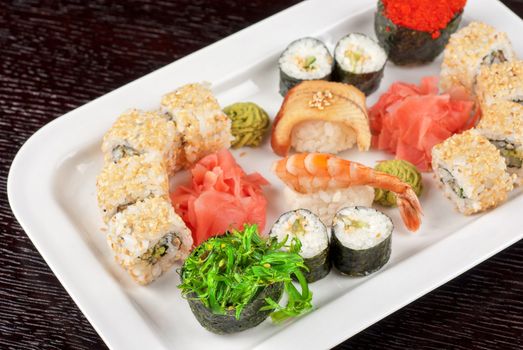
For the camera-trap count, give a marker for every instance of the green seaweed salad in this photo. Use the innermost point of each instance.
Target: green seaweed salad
(227, 273)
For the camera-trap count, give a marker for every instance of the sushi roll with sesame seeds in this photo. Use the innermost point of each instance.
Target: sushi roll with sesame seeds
(502, 125)
(359, 61)
(468, 50)
(129, 180)
(147, 238)
(137, 132)
(203, 126)
(304, 59)
(472, 172)
(501, 81)
(314, 237)
(361, 240)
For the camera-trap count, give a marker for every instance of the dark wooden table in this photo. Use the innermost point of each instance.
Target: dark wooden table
(58, 55)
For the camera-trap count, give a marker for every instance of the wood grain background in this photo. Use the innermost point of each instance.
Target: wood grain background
(58, 55)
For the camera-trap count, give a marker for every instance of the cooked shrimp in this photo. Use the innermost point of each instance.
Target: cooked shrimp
(311, 172)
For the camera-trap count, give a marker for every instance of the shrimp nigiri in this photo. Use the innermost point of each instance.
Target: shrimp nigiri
(312, 172)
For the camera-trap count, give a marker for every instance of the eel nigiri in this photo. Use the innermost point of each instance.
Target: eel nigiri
(321, 116)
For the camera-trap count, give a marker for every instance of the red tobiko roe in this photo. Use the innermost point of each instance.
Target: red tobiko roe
(424, 15)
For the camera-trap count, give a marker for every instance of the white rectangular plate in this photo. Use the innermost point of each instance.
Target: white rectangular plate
(52, 193)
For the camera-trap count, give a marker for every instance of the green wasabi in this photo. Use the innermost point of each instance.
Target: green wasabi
(249, 123)
(406, 172)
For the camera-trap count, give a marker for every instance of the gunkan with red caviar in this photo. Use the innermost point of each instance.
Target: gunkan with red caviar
(416, 31)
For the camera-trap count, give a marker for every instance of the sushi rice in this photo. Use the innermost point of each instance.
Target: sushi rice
(137, 132)
(131, 179)
(472, 172)
(314, 238)
(147, 238)
(141, 150)
(361, 240)
(360, 61)
(203, 126)
(502, 125)
(322, 136)
(325, 204)
(472, 47)
(304, 59)
(501, 81)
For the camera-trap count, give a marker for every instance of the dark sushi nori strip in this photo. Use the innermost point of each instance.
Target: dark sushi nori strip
(407, 46)
(355, 263)
(366, 82)
(359, 61)
(233, 282)
(370, 246)
(304, 59)
(314, 238)
(318, 266)
(251, 315)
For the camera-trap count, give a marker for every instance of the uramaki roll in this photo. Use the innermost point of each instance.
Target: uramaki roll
(203, 126)
(502, 125)
(501, 81)
(472, 47)
(472, 172)
(147, 238)
(129, 180)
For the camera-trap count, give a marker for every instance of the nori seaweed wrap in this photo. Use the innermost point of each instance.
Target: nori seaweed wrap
(406, 46)
(361, 240)
(359, 61)
(304, 59)
(251, 315)
(314, 238)
(235, 281)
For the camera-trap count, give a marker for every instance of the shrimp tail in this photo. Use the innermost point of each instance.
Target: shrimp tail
(410, 209)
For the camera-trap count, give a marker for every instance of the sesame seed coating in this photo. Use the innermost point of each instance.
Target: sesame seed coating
(140, 227)
(477, 167)
(466, 50)
(503, 118)
(500, 81)
(199, 120)
(143, 132)
(129, 180)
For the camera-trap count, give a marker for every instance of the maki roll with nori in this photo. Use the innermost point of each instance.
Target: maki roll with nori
(314, 238)
(235, 281)
(304, 59)
(359, 61)
(361, 240)
(416, 31)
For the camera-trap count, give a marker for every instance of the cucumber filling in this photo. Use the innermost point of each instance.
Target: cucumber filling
(122, 151)
(513, 157)
(307, 63)
(152, 255)
(447, 179)
(356, 58)
(494, 57)
(298, 226)
(353, 224)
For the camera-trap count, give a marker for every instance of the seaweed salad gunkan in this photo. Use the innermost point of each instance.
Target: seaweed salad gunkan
(235, 281)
